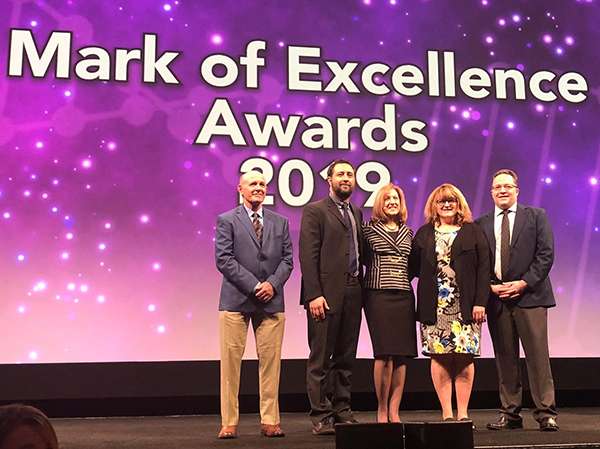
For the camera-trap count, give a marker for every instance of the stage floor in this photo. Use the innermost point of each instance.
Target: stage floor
(579, 427)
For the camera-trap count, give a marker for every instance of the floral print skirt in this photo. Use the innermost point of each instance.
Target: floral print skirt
(450, 334)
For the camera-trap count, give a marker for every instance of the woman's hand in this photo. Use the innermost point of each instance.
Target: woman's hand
(479, 314)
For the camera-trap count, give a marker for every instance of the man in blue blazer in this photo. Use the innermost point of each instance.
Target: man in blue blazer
(253, 251)
(522, 252)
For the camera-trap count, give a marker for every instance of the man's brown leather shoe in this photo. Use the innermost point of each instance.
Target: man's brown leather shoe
(271, 430)
(228, 432)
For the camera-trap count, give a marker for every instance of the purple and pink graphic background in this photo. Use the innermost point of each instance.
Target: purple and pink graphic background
(107, 209)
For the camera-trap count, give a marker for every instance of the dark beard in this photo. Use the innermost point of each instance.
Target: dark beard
(342, 194)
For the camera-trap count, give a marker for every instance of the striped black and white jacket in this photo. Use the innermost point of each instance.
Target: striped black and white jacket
(386, 258)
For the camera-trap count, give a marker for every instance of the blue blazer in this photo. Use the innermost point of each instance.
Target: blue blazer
(531, 255)
(244, 263)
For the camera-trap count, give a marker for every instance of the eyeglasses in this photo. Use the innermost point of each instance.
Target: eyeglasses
(443, 202)
(507, 187)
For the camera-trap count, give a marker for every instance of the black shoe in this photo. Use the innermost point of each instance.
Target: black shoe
(468, 419)
(548, 424)
(348, 421)
(324, 427)
(505, 423)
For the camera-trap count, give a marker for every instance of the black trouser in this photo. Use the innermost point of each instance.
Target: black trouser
(333, 344)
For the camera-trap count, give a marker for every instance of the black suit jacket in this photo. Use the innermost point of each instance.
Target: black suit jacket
(469, 258)
(324, 249)
(531, 255)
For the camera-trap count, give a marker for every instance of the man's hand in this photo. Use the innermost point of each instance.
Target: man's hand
(264, 291)
(509, 290)
(478, 314)
(514, 289)
(499, 290)
(317, 308)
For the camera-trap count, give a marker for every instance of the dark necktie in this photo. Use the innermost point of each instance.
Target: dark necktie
(505, 245)
(352, 265)
(258, 227)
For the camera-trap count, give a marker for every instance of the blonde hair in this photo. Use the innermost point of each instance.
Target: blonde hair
(444, 192)
(378, 212)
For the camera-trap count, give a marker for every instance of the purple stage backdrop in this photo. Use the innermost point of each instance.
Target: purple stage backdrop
(124, 127)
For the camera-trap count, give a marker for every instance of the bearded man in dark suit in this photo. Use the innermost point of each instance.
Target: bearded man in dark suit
(522, 252)
(330, 248)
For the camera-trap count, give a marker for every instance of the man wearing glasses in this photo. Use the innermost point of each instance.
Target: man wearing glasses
(522, 252)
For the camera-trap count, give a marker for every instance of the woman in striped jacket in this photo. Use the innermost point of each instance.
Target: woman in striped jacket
(388, 297)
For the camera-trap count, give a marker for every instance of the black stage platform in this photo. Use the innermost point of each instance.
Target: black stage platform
(579, 428)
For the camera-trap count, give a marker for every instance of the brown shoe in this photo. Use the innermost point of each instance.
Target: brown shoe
(271, 430)
(228, 432)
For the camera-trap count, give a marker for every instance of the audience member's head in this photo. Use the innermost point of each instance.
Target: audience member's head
(25, 427)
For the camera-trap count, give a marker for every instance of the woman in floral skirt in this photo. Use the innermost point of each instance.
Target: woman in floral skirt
(450, 258)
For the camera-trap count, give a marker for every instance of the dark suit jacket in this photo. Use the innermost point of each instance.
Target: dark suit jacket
(469, 258)
(531, 255)
(244, 263)
(324, 252)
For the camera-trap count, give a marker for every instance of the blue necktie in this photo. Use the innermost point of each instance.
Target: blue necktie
(352, 265)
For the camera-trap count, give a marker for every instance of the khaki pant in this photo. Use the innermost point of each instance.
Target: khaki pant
(268, 333)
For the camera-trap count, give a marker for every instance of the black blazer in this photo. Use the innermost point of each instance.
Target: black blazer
(469, 258)
(324, 249)
(531, 255)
